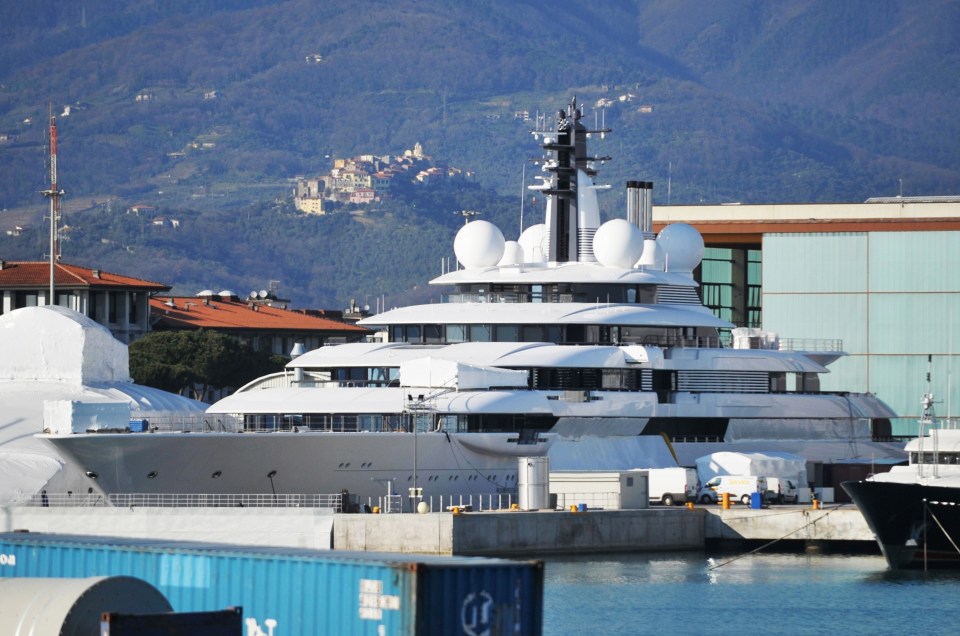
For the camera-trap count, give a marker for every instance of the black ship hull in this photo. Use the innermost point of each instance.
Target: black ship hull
(916, 525)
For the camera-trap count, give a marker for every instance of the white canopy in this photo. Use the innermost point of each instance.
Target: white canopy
(767, 464)
(56, 355)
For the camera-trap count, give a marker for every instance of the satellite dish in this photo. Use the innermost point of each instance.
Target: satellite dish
(253, 295)
(262, 293)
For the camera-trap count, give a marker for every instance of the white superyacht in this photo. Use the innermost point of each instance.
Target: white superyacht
(583, 341)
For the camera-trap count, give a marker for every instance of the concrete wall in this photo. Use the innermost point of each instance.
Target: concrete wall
(793, 523)
(488, 533)
(283, 527)
(523, 533)
(424, 534)
(518, 534)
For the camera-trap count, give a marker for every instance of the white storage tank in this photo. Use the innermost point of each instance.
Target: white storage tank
(51, 606)
(533, 482)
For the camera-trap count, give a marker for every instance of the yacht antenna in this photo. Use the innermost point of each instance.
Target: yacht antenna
(523, 184)
(669, 179)
(926, 418)
(467, 214)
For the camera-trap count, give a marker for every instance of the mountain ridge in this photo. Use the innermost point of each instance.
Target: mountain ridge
(211, 108)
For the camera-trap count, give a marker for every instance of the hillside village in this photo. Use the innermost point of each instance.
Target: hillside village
(368, 178)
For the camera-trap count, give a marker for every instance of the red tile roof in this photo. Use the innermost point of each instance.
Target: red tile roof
(191, 312)
(36, 275)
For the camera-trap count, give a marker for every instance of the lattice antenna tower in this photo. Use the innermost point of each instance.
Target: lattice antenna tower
(54, 194)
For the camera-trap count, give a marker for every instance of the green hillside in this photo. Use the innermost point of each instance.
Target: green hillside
(209, 109)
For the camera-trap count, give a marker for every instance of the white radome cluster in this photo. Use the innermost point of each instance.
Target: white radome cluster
(533, 241)
(618, 243)
(682, 247)
(512, 254)
(479, 244)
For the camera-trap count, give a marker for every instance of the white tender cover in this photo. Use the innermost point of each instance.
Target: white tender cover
(770, 464)
(61, 345)
(54, 354)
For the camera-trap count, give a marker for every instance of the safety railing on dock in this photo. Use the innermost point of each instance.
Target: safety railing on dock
(476, 503)
(595, 500)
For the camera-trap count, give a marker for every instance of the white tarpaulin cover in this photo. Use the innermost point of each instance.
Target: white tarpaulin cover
(610, 453)
(438, 373)
(771, 464)
(57, 355)
(59, 344)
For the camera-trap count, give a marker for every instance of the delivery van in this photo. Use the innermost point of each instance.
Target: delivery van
(782, 490)
(739, 487)
(674, 485)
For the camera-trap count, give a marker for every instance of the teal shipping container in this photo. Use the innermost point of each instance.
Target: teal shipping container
(297, 592)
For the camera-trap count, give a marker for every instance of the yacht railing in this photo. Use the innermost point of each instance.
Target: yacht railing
(200, 423)
(811, 345)
(691, 342)
(183, 500)
(337, 501)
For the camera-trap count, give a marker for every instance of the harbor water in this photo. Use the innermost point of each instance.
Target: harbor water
(697, 593)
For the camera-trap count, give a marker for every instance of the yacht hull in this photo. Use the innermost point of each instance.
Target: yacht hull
(917, 525)
(367, 465)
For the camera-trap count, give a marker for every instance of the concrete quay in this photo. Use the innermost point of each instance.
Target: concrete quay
(516, 533)
(497, 533)
(833, 522)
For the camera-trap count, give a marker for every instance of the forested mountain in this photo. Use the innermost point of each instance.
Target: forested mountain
(207, 109)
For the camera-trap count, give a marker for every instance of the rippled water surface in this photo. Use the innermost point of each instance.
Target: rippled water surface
(694, 593)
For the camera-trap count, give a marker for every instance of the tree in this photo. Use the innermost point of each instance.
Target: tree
(190, 362)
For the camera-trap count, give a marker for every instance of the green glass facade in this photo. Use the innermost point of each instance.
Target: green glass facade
(730, 284)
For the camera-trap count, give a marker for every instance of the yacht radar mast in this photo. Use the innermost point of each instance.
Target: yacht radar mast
(569, 228)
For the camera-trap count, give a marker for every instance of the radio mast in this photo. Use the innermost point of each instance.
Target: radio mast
(54, 194)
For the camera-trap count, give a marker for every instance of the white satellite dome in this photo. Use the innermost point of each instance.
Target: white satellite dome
(512, 254)
(533, 241)
(618, 243)
(479, 244)
(682, 247)
(204, 293)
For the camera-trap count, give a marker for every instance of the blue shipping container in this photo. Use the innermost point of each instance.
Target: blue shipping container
(298, 592)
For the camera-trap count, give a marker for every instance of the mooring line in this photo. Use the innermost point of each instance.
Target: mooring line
(945, 533)
(767, 545)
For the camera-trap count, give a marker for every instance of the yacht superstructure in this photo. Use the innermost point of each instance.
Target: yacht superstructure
(581, 340)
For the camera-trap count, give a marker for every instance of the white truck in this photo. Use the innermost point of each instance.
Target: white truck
(782, 490)
(671, 486)
(739, 487)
